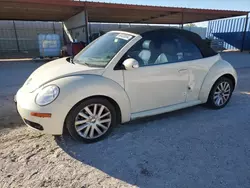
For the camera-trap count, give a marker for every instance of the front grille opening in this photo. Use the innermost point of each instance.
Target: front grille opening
(34, 125)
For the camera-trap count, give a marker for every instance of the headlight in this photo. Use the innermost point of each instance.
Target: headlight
(47, 95)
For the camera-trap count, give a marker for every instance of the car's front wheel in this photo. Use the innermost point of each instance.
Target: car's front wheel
(91, 120)
(221, 93)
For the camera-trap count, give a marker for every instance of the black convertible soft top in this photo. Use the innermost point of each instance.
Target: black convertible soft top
(205, 49)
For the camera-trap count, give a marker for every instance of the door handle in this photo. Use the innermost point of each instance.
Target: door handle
(182, 71)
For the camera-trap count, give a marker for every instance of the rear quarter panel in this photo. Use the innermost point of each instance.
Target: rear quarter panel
(198, 70)
(220, 68)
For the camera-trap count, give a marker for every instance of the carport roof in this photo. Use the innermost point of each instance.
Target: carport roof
(60, 10)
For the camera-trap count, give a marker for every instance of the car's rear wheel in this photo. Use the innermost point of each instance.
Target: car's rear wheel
(91, 120)
(221, 93)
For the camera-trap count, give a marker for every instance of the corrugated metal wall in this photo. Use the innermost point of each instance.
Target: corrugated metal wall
(199, 30)
(27, 34)
(231, 31)
(24, 34)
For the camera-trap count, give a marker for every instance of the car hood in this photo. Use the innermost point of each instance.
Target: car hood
(57, 69)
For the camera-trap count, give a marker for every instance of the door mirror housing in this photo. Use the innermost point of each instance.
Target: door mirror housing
(130, 64)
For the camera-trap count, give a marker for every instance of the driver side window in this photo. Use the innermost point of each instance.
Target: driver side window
(141, 52)
(146, 50)
(155, 48)
(161, 48)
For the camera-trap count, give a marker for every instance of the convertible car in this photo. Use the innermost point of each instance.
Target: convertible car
(121, 76)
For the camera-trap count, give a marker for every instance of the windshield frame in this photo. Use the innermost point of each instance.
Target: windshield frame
(133, 35)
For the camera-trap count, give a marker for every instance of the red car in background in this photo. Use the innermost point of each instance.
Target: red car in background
(71, 49)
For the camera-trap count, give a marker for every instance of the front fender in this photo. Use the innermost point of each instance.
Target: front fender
(219, 69)
(73, 89)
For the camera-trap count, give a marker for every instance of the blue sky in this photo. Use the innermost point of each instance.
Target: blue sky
(209, 4)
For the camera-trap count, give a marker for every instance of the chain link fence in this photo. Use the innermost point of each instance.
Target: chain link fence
(20, 38)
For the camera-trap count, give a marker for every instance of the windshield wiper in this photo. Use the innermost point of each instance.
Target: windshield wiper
(81, 62)
(86, 64)
(70, 60)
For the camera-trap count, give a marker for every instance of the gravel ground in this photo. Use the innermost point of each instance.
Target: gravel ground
(194, 147)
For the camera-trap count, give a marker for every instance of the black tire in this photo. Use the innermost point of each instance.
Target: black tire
(70, 120)
(210, 102)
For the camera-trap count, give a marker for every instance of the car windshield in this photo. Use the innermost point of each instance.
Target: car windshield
(100, 53)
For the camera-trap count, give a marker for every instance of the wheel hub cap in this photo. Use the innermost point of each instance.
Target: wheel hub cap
(222, 93)
(93, 121)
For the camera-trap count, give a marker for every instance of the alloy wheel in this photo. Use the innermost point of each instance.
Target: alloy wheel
(93, 121)
(222, 93)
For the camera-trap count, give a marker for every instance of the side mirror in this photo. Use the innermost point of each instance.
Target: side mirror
(130, 64)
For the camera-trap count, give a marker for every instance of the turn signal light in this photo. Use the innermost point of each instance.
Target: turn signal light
(41, 115)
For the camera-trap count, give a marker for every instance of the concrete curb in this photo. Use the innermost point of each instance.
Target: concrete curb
(20, 60)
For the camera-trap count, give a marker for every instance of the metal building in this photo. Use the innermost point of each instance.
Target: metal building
(22, 36)
(234, 32)
(76, 16)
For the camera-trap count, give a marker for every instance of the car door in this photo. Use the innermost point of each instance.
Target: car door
(197, 65)
(156, 83)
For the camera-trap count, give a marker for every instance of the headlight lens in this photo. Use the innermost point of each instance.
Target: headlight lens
(47, 95)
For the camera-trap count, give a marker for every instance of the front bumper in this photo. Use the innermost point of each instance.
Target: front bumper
(26, 106)
(27, 122)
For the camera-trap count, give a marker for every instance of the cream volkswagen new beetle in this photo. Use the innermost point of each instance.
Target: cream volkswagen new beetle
(121, 76)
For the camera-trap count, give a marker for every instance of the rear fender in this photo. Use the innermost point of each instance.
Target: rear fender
(219, 69)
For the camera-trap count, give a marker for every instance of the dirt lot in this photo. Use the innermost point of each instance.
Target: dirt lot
(194, 147)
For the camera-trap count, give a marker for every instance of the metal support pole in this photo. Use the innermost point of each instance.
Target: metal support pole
(86, 25)
(54, 29)
(244, 33)
(17, 42)
(182, 18)
(90, 29)
(67, 32)
(64, 37)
